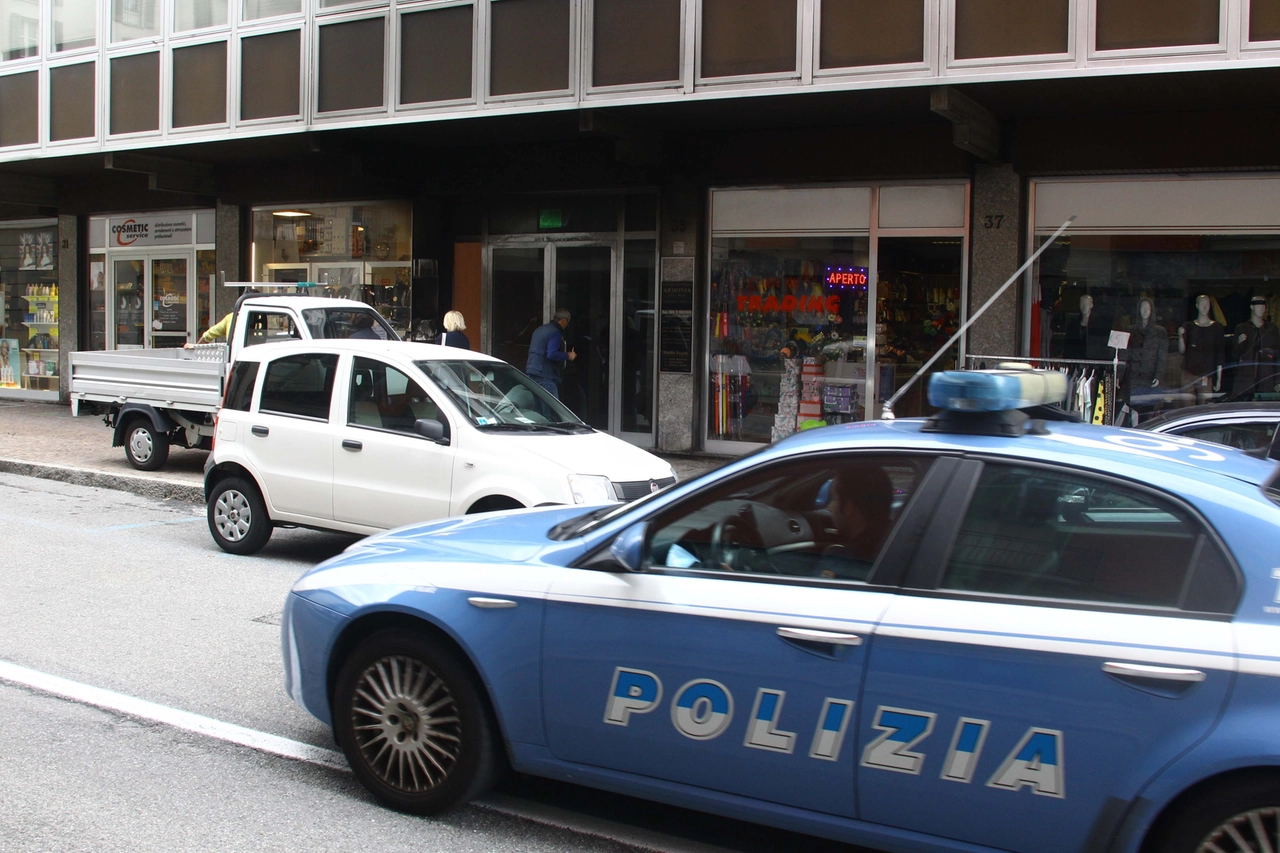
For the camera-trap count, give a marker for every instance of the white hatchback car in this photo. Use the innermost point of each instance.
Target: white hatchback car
(364, 435)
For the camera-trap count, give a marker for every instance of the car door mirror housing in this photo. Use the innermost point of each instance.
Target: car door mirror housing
(432, 430)
(628, 547)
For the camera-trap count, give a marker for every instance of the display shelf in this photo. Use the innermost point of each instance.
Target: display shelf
(37, 349)
(39, 325)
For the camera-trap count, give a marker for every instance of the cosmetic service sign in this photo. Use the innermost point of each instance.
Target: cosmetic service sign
(159, 230)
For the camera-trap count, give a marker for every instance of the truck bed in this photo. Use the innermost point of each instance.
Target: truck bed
(187, 379)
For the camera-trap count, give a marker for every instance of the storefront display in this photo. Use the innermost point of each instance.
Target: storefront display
(352, 251)
(29, 322)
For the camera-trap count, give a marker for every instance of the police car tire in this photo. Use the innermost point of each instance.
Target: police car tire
(476, 763)
(1211, 812)
(260, 526)
(156, 444)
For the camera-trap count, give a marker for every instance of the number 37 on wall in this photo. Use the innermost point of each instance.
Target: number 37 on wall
(992, 221)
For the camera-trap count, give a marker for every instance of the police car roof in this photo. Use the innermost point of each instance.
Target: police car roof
(1128, 453)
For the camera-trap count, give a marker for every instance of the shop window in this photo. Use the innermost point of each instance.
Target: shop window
(72, 110)
(19, 109)
(135, 93)
(748, 37)
(1264, 20)
(134, 19)
(528, 46)
(1127, 24)
(639, 333)
(199, 14)
(270, 68)
(351, 65)
(1199, 311)
(200, 84)
(635, 41)
(75, 25)
(436, 55)
(252, 10)
(20, 35)
(871, 32)
(29, 295)
(206, 282)
(987, 28)
(97, 302)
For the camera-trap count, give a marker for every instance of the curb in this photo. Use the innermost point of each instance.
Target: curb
(149, 487)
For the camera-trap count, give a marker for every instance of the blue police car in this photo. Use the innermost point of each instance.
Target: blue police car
(989, 630)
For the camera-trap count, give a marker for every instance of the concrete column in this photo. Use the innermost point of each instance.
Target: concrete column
(995, 253)
(227, 257)
(68, 299)
(677, 392)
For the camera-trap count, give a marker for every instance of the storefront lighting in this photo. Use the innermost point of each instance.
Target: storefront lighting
(291, 214)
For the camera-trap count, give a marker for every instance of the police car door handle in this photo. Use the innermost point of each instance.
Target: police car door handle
(1162, 673)
(812, 636)
(490, 603)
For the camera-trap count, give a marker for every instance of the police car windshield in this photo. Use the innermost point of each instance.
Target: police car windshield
(497, 397)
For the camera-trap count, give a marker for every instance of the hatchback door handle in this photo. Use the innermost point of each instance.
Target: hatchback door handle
(490, 603)
(809, 635)
(1161, 673)
(259, 430)
(351, 444)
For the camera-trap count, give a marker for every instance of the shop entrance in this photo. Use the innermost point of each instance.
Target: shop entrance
(151, 304)
(610, 382)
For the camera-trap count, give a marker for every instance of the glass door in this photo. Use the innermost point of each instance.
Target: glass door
(918, 307)
(129, 293)
(168, 321)
(584, 286)
(518, 277)
(638, 339)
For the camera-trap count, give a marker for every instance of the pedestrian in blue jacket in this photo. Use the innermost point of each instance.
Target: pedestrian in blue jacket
(547, 353)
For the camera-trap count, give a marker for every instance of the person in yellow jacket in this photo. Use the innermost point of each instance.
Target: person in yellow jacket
(217, 331)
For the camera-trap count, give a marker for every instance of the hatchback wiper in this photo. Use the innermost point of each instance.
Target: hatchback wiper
(556, 428)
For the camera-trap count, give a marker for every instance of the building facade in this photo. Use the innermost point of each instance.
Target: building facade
(763, 214)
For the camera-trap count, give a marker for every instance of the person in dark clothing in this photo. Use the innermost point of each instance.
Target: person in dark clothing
(453, 336)
(1148, 350)
(1087, 333)
(547, 353)
(1256, 348)
(1200, 342)
(362, 322)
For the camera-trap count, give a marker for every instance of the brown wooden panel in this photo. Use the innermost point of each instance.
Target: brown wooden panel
(871, 32)
(1000, 28)
(1156, 23)
(466, 288)
(135, 93)
(19, 109)
(748, 37)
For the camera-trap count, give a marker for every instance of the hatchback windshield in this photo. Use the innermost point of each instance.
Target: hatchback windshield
(348, 323)
(496, 396)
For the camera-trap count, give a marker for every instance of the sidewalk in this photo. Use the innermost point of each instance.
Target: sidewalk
(43, 440)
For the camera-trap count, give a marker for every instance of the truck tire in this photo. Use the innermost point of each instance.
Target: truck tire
(238, 517)
(146, 449)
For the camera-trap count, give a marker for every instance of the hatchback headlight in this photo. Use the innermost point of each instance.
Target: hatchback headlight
(591, 489)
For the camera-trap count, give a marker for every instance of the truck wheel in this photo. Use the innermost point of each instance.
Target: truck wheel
(238, 517)
(1239, 817)
(413, 724)
(146, 449)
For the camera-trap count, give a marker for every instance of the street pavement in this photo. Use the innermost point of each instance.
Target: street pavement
(44, 440)
(129, 594)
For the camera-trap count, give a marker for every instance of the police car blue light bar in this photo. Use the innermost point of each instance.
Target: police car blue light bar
(996, 390)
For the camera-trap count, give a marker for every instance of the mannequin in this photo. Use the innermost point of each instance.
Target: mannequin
(1148, 349)
(1255, 349)
(1200, 342)
(1087, 334)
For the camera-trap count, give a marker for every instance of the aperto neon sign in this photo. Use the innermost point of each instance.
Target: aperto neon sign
(846, 277)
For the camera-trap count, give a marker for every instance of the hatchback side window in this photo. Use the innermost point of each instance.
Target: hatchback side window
(240, 386)
(299, 385)
(383, 397)
(263, 327)
(1048, 534)
(827, 517)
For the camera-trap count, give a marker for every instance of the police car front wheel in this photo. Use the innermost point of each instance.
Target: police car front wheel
(1240, 817)
(412, 723)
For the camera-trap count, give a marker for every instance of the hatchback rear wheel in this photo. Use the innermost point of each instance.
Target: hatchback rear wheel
(238, 517)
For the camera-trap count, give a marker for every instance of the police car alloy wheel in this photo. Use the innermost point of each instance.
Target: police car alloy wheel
(238, 517)
(1238, 817)
(412, 723)
(145, 448)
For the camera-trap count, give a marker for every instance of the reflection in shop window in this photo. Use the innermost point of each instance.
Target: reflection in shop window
(1199, 312)
(75, 24)
(199, 14)
(20, 32)
(254, 9)
(132, 19)
(788, 321)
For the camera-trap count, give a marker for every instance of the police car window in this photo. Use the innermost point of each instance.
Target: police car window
(385, 398)
(1250, 437)
(825, 518)
(1040, 533)
(299, 385)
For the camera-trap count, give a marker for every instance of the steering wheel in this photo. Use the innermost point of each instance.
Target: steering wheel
(736, 545)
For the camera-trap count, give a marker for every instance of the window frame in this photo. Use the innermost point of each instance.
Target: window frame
(176, 34)
(209, 37)
(928, 66)
(235, 69)
(588, 48)
(1097, 56)
(137, 48)
(260, 391)
(109, 41)
(484, 52)
(46, 101)
(885, 574)
(805, 52)
(948, 11)
(52, 54)
(413, 375)
(477, 59)
(926, 577)
(42, 99)
(311, 64)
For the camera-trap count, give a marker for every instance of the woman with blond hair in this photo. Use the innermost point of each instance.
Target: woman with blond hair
(452, 335)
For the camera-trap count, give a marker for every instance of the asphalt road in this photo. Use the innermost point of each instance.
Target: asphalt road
(129, 594)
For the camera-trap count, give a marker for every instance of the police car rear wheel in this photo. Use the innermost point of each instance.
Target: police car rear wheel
(1242, 817)
(412, 724)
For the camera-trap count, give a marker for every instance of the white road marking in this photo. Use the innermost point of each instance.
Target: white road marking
(545, 815)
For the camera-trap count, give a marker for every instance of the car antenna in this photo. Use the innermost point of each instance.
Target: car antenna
(887, 411)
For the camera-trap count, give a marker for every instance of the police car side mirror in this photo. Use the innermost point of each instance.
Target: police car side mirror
(628, 547)
(431, 429)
